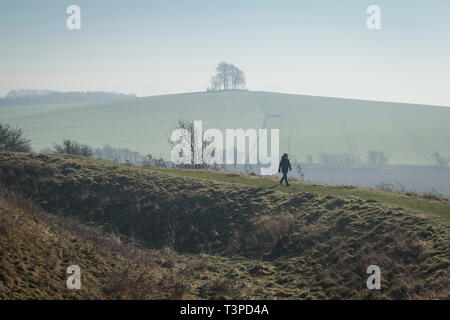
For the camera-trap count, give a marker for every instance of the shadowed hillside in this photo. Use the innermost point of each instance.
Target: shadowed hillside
(36, 248)
(306, 243)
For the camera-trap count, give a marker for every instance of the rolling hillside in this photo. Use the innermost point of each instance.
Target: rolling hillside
(234, 235)
(408, 134)
(37, 247)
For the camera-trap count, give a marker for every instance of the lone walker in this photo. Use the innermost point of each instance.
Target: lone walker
(285, 164)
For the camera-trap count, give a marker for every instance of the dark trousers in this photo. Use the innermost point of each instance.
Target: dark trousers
(284, 178)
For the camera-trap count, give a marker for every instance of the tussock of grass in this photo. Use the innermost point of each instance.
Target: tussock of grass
(255, 241)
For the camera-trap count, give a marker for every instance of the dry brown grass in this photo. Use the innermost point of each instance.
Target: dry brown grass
(120, 220)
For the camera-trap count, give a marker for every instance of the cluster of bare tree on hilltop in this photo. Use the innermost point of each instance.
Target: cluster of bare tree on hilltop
(227, 77)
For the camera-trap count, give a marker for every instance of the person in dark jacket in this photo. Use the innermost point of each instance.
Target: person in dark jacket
(284, 166)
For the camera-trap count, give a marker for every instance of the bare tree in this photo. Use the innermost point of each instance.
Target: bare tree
(223, 74)
(337, 159)
(189, 140)
(237, 78)
(118, 155)
(228, 77)
(154, 162)
(215, 83)
(441, 161)
(376, 159)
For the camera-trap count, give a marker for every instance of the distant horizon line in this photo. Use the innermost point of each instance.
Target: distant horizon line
(135, 96)
(289, 93)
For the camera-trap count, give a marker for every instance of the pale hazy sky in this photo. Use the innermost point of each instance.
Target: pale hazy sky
(157, 47)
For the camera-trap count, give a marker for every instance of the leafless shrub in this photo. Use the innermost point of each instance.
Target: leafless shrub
(397, 187)
(129, 284)
(272, 229)
(392, 187)
(383, 186)
(378, 258)
(433, 196)
(299, 170)
(152, 162)
(312, 233)
(73, 147)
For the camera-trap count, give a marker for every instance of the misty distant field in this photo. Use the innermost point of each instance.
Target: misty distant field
(408, 134)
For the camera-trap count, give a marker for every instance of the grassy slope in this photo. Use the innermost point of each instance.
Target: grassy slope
(254, 240)
(36, 248)
(439, 210)
(35, 254)
(407, 133)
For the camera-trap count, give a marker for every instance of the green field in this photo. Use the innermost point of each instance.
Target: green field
(408, 134)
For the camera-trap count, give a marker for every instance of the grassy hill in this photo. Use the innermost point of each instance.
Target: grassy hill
(248, 236)
(37, 247)
(408, 134)
(35, 252)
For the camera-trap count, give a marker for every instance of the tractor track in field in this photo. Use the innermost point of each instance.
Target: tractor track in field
(266, 117)
(290, 137)
(350, 140)
(419, 144)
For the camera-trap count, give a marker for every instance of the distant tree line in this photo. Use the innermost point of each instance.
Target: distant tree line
(35, 97)
(73, 147)
(108, 153)
(227, 77)
(375, 159)
(118, 155)
(337, 159)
